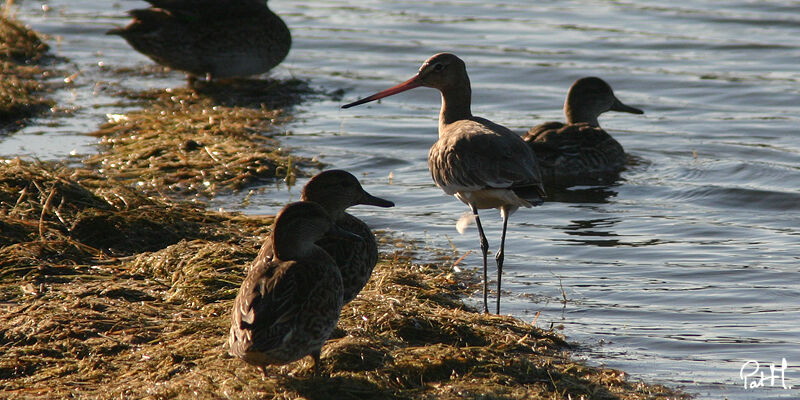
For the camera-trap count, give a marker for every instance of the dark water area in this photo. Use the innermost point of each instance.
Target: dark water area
(680, 273)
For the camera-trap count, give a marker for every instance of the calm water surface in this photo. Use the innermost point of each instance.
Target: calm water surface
(679, 274)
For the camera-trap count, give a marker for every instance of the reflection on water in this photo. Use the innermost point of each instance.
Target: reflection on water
(588, 230)
(679, 272)
(580, 227)
(581, 195)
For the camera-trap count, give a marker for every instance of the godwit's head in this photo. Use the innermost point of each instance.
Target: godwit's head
(442, 71)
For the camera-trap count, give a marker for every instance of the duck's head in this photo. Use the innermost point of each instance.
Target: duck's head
(589, 97)
(442, 71)
(336, 190)
(298, 225)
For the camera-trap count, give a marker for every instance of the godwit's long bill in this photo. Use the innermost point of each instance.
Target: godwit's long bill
(481, 163)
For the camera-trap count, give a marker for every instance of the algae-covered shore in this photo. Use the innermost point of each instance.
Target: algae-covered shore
(114, 285)
(110, 293)
(22, 73)
(203, 140)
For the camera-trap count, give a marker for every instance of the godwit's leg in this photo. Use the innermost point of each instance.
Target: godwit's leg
(499, 256)
(485, 250)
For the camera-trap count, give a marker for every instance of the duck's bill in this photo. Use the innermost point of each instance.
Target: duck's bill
(371, 200)
(620, 106)
(407, 85)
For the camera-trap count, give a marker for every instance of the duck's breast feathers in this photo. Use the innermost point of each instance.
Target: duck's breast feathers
(477, 154)
(356, 258)
(341, 249)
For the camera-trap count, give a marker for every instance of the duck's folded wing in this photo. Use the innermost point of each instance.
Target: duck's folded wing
(567, 137)
(542, 130)
(266, 304)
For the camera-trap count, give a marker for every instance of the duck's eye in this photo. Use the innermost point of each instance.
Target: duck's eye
(438, 67)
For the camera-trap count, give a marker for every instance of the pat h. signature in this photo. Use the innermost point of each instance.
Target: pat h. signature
(755, 375)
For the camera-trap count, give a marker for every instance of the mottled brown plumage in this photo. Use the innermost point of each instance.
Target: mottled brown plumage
(481, 163)
(289, 303)
(215, 38)
(580, 152)
(335, 191)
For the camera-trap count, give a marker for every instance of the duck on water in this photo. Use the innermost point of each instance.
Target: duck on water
(483, 164)
(580, 152)
(209, 38)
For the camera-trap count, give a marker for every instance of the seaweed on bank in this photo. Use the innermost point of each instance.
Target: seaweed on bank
(188, 143)
(76, 321)
(72, 308)
(21, 49)
(49, 219)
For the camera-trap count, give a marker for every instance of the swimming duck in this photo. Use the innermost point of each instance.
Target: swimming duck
(481, 163)
(580, 152)
(209, 38)
(289, 304)
(336, 190)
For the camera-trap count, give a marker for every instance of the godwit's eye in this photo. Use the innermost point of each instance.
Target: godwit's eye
(438, 67)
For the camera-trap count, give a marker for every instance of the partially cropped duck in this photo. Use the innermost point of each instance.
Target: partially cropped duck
(289, 304)
(337, 190)
(580, 152)
(209, 38)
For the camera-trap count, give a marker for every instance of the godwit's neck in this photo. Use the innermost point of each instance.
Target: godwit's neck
(577, 112)
(455, 105)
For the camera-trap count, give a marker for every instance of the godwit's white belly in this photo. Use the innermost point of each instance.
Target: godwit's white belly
(492, 198)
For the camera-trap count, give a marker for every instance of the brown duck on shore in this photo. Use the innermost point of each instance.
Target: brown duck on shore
(289, 304)
(209, 38)
(580, 152)
(337, 190)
